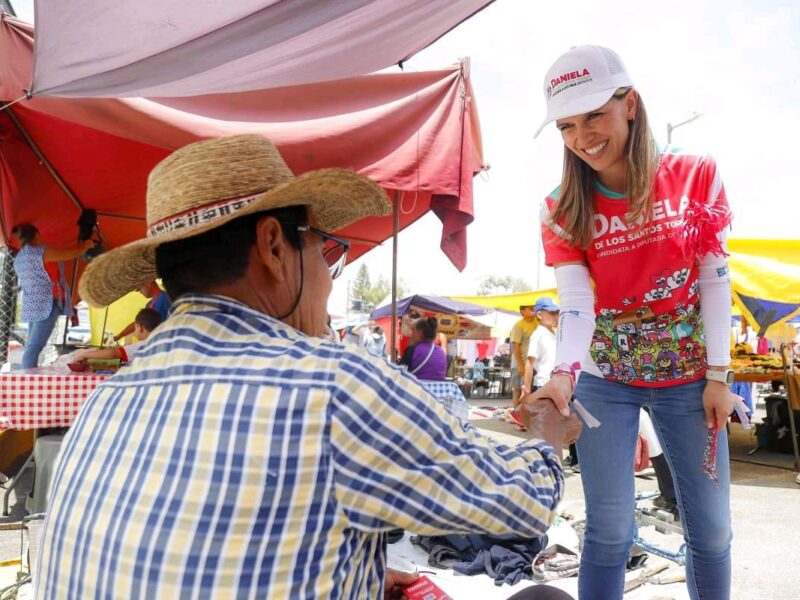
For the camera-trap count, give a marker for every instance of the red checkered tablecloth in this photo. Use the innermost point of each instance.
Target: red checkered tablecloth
(43, 397)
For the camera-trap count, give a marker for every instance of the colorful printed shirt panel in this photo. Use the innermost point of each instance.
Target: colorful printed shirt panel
(648, 326)
(238, 458)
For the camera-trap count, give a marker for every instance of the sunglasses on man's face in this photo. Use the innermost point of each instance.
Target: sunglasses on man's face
(334, 251)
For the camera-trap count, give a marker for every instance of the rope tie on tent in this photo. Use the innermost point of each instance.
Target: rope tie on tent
(403, 211)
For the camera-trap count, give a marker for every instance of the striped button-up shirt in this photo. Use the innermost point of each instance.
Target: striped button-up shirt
(240, 458)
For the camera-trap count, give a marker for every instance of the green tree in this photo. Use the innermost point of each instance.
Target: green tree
(492, 285)
(360, 288)
(366, 296)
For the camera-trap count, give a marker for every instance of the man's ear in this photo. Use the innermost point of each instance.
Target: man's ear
(271, 247)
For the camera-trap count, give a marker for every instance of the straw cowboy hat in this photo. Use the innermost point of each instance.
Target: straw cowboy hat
(206, 184)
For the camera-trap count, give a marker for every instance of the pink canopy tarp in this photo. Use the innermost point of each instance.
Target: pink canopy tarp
(416, 134)
(188, 48)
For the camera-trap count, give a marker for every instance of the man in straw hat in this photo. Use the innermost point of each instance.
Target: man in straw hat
(241, 456)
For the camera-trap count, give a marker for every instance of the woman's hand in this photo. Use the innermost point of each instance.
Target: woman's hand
(543, 421)
(718, 404)
(558, 390)
(395, 582)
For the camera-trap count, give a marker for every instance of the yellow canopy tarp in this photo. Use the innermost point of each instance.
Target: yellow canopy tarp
(116, 316)
(765, 280)
(509, 302)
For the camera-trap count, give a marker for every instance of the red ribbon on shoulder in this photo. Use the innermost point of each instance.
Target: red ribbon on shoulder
(701, 223)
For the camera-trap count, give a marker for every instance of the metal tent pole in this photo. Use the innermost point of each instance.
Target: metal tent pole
(40, 155)
(395, 231)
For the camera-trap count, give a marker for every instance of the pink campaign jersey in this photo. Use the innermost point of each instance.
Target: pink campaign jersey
(648, 328)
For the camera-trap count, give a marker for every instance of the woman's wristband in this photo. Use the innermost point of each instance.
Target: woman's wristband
(568, 370)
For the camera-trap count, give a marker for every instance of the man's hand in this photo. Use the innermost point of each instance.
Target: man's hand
(395, 582)
(718, 404)
(543, 420)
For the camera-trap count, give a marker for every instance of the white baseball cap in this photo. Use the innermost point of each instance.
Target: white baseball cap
(582, 80)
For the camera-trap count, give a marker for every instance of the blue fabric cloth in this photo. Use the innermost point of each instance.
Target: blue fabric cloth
(38, 334)
(34, 282)
(162, 305)
(745, 390)
(606, 454)
(239, 458)
(450, 395)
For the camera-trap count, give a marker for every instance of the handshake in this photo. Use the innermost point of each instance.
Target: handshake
(544, 421)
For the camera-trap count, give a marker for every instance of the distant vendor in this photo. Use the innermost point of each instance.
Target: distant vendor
(146, 321)
(158, 301)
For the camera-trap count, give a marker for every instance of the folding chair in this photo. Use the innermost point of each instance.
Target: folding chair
(9, 484)
(30, 529)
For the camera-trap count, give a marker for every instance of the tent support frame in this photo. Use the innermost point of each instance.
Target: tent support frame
(395, 231)
(46, 163)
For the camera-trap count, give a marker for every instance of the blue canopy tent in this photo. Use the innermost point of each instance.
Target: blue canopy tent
(437, 304)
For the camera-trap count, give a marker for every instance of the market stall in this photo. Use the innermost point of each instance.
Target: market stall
(457, 320)
(468, 328)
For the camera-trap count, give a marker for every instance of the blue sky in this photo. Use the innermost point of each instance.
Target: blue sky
(734, 61)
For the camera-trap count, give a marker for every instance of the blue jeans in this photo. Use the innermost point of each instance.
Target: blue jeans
(38, 334)
(607, 455)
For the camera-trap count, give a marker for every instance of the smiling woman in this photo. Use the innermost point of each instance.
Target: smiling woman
(636, 236)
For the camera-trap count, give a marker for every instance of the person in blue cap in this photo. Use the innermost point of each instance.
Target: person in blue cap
(541, 358)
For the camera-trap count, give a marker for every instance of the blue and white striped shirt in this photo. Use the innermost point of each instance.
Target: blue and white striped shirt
(240, 458)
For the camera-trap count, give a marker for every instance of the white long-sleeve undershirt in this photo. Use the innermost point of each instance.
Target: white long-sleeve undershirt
(576, 322)
(714, 281)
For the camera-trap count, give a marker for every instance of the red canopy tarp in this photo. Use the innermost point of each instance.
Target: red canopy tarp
(185, 48)
(414, 133)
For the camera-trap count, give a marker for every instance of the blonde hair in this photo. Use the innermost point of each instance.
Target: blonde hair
(574, 211)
